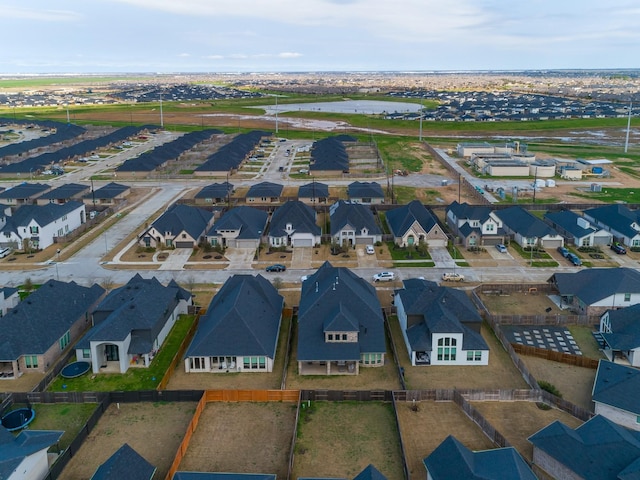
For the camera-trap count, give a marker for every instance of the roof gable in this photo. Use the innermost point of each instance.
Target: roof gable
(618, 386)
(183, 218)
(595, 284)
(401, 219)
(301, 217)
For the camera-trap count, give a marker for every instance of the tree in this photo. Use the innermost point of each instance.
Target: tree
(27, 286)
(107, 283)
(277, 283)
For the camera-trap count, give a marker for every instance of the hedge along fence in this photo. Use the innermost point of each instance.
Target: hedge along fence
(561, 357)
(230, 396)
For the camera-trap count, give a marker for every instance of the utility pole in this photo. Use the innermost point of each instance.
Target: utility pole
(626, 142)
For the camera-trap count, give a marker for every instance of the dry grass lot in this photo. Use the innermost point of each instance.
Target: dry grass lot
(242, 438)
(500, 373)
(519, 304)
(339, 439)
(517, 421)
(154, 430)
(423, 430)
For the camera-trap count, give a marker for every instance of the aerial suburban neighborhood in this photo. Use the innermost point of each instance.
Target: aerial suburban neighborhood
(377, 299)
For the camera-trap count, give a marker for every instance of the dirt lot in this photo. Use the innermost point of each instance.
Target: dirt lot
(519, 304)
(242, 438)
(424, 430)
(154, 430)
(517, 421)
(338, 440)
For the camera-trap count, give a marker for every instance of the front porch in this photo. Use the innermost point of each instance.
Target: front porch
(329, 368)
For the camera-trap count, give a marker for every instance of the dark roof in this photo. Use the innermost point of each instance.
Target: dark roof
(618, 386)
(444, 310)
(452, 460)
(596, 450)
(63, 132)
(125, 463)
(301, 217)
(56, 305)
(110, 190)
(370, 473)
(568, 220)
(215, 190)
(250, 221)
(151, 160)
(523, 222)
(313, 190)
(616, 216)
(329, 154)
(265, 189)
(356, 215)
(402, 218)
(183, 218)
(242, 319)
(8, 291)
(365, 190)
(23, 191)
(232, 154)
(222, 476)
(141, 308)
(14, 449)
(65, 191)
(625, 328)
(594, 284)
(471, 212)
(336, 299)
(41, 214)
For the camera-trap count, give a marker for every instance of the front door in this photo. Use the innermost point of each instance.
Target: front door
(112, 353)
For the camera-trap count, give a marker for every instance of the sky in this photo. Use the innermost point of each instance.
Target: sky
(218, 36)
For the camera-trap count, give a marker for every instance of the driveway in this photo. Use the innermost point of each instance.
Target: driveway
(240, 258)
(176, 259)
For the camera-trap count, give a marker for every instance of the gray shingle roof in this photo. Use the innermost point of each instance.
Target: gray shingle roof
(471, 212)
(625, 328)
(215, 190)
(183, 218)
(265, 189)
(354, 214)
(618, 386)
(40, 320)
(596, 450)
(42, 214)
(617, 217)
(108, 191)
(24, 190)
(452, 460)
(14, 449)
(401, 219)
(313, 190)
(333, 292)
(568, 220)
(301, 217)
(329, 154)
(370, 473)
(526, 224)
(249, 220)
(242, 319)
(365, 189)
(125, 463)
(64, 192)
(594, 284)
(222, 476)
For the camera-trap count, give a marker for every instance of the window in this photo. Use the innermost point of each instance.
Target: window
(474, 355)
(86, 353)
(34, 230)
(371, 358)
(627, 297)
(447, 349)
(344, 337)
(64, 217)
(262, 364)
(31, 361)
(64, 341)
(196, 363)
(330, 337)
(490, 227)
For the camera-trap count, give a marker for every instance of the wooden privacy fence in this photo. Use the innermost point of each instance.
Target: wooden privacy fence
(541, 320)
(560, 357)
(186, 341)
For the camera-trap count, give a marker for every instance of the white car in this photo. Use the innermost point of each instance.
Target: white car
(452, 277)
(384, 277)
(370, 250)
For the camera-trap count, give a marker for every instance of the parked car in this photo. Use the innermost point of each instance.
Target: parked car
(501, 248)
(452, 277)
(278, 267)
(4, 252)
(563, 251)
(618, 248)
(384, 277)
(370, 250)
(303, 278)
(573, 258)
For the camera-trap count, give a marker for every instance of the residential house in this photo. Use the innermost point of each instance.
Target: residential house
(368, 193)
(622, 222)
(353, 224)
(340, 324)
(527, 230)
(131, 324)
(9, 298)
(23, 194)
(125, 463)
(329, 156)
(109, 194)
(413, 224)
(180, 226)
(314, 193)
(24, 457)
(239, 332)
(41, 328)
(440, 325)
(264, 192)
(214, 194)
(598, 449)
(615, 394)
(294, 225)
(577, 230)
(222, 476)
(37, 226)
(474, 225)
(451, 460)
(64, 193)
(240, 227)
(619, 334)
(368, 473)
(593, 291)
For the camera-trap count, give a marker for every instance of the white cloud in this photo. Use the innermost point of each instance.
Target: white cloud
(20, 13)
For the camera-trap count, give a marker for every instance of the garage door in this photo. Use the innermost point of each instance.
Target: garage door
(184, 244)
(246, 244)
(302, 242)
(364, 240)
(552, 243)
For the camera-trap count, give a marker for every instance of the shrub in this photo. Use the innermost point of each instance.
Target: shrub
(549, 387)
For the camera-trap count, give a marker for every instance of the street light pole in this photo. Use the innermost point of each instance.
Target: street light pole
(57, 261)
